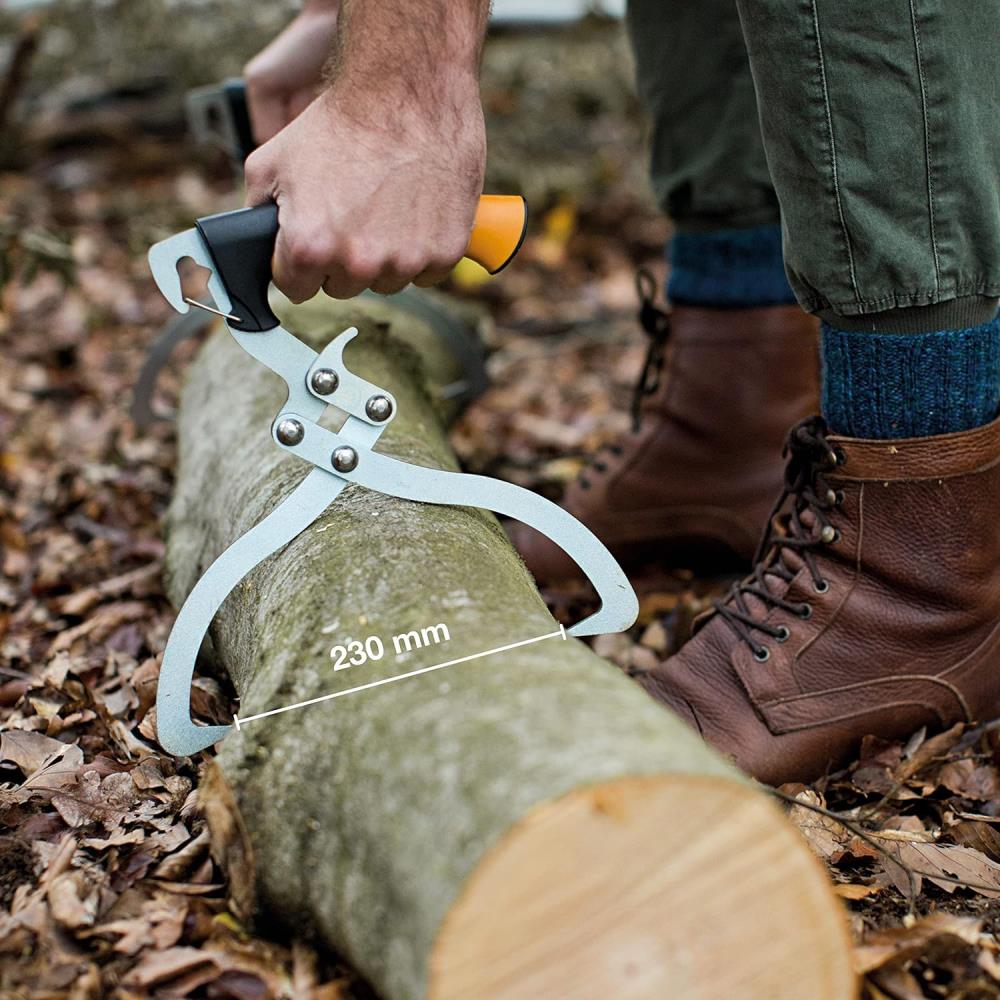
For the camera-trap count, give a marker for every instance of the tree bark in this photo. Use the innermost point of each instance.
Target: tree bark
(529, 824)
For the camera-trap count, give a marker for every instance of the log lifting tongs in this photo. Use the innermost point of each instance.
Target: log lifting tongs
(237, 248)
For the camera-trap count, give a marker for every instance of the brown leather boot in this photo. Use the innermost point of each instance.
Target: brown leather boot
(703, 461)
(874, 607)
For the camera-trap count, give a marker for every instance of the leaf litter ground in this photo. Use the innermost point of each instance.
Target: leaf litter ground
(110, 883)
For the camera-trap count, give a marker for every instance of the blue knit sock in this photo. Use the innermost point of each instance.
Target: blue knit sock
(895, 385)
(729, 268)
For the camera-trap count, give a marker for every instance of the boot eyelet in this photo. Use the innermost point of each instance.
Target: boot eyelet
(601, 466)
(840, 498)
(828, 535)
(806, 612)
(783, 633)
(762, 655)
(821, 587)
(840, 456)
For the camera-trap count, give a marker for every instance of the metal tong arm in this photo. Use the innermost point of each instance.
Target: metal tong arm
(393, 477)
(176, 731)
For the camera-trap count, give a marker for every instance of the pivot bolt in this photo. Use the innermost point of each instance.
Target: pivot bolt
(325, 381)
(379, 408)
(344, 459)
(290, 432)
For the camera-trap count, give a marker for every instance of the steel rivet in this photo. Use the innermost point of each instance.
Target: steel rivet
(290, 432)
(325, 381)
(344, 459)
(379, 408)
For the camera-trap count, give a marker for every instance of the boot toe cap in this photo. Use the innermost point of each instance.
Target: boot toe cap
(712, 700)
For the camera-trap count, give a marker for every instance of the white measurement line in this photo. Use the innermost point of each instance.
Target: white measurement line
(399, 677)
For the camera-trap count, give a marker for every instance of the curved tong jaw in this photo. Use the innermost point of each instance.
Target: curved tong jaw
(315, 381)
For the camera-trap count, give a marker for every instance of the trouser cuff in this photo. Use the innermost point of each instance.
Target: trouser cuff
(955, 314)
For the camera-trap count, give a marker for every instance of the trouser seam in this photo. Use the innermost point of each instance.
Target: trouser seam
(927, 144)
(833, 151)
(918, 297)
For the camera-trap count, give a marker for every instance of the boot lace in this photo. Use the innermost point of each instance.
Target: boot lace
(655, 323)
(803, 529)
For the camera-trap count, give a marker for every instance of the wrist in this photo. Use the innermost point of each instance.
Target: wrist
(448, 104)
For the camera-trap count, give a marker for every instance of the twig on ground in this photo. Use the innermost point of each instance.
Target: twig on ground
(870, 837)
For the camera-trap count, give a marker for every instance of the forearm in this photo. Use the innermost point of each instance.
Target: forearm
(419, 59)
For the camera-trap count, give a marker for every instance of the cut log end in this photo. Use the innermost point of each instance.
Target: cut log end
(665, 885)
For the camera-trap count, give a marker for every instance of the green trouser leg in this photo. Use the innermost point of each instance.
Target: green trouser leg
(709, 171)
(881, 122)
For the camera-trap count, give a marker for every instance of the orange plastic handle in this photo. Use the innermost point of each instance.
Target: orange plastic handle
(498, 231)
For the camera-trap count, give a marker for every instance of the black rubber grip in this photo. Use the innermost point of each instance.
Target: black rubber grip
(236, 97)
(241, 244)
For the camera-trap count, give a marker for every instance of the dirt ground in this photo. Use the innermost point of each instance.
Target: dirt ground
(107, 883)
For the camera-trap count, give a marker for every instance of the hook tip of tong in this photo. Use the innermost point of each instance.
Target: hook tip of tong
(614, 615)
(187, 740)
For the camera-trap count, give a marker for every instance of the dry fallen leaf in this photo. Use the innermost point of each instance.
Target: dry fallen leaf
(879, 948)
(854, 891)
(29, 751)
(230, 841)
(944, 864)
(72, 900)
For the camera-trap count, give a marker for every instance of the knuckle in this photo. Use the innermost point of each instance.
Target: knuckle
(306, 252)
(362, 262)
(454, 248)
(448, 253)
(406, 264)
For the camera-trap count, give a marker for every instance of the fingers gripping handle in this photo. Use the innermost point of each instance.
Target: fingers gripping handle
(242, 244)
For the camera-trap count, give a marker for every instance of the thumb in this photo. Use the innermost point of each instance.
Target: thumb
(259, 175)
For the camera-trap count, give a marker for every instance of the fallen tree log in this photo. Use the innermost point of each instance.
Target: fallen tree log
(525, 825)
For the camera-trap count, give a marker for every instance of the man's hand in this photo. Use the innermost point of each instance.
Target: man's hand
(378, 180)
(284, 78)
